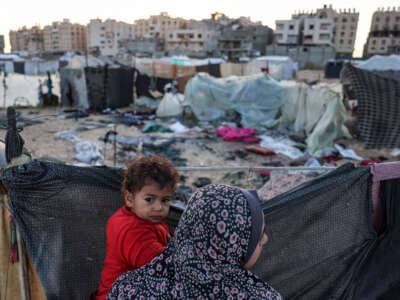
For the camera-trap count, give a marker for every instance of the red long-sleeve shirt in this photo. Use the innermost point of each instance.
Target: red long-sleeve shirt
(131, 243)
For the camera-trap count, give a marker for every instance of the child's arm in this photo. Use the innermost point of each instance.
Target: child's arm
(140, 246)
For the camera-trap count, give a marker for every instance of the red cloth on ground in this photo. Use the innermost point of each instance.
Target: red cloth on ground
(233, 134)
(367, 162)
(131, 243)
(259, 150)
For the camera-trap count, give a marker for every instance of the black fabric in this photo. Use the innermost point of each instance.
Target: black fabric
(61, 212)
(161, 83)
(318, 235)
(142, 85)
(109, 87)
(378, 107)
(96, 83)
(321, 241)
(120, 87)
(214, 70)
(19, 67)
(333, 69)
(70, 88)
(380, 276)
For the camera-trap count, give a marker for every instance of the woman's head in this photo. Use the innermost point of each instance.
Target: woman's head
(222, 226)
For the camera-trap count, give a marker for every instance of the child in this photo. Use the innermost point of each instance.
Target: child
(136, 233)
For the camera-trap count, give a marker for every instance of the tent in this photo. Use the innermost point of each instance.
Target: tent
(280, 67)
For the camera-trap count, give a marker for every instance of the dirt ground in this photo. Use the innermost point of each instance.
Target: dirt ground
(193, 150)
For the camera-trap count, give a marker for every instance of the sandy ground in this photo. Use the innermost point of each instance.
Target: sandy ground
(198, 151)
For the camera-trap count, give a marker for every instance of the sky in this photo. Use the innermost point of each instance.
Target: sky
(15, 14)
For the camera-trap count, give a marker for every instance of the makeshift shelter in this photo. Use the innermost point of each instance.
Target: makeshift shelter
(257, 98)
(95, 84)
(24, 89)
(315, 113)
(378, 106)
(280, 67)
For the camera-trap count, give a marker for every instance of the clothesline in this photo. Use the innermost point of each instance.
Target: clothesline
(258, 168)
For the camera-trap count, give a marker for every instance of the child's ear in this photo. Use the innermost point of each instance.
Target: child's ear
(128, 198)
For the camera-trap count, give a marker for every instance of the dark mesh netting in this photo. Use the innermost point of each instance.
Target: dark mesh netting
(378, 113)
(380, 276)
(62, 212)
(318, 235)
(322, 243)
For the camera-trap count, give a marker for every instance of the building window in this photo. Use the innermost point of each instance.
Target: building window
(171, 35)
(311, 26)
(344, 20)
(373, 42)
(199, 35)
(387, 19)
(341, 41)
(335, 19)
(377, 19)
(349, 42)
(383, 42)
(353, 19)
(342, 33)
(291, 27)
(397, 18)
(351, 33)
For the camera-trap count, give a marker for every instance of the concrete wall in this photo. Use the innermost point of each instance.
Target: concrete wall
(305, 56)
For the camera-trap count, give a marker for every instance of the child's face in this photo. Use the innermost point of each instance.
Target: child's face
(151, 203)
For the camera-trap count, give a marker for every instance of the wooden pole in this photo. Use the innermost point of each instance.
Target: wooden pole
(23, 270)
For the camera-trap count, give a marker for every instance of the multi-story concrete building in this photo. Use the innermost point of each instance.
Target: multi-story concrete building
(157, 26)
(145, 47)
(326, 26)
(384, 35)
(65, 36)
(105, 35)
(243, 41)
(26, 39)
(2, 44)
(192, 42)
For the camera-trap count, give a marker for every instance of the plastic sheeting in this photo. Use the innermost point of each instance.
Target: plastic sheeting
(257, 98)
(24, 89)
(73, 88)
(170, 105)
(276, 63)
(313, 112)
(35, 67)
(381, 63)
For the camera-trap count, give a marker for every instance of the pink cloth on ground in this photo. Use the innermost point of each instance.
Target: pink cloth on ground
(234, 134)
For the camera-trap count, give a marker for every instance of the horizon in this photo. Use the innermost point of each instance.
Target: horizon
(36, 15)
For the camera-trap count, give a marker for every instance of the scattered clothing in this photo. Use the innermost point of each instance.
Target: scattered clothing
(234, 134)
(259, 150)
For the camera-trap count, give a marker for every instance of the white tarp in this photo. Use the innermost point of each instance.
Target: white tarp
(36, 67)
(24, 89)
(313, 112)
(290, 67)
(381, 63)
(257, 98)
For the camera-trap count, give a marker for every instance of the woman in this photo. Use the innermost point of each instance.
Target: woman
(219, 236)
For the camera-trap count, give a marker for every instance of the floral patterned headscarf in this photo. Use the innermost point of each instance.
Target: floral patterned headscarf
(204, 259)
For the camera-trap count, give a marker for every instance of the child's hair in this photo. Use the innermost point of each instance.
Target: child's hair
(150, 167)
